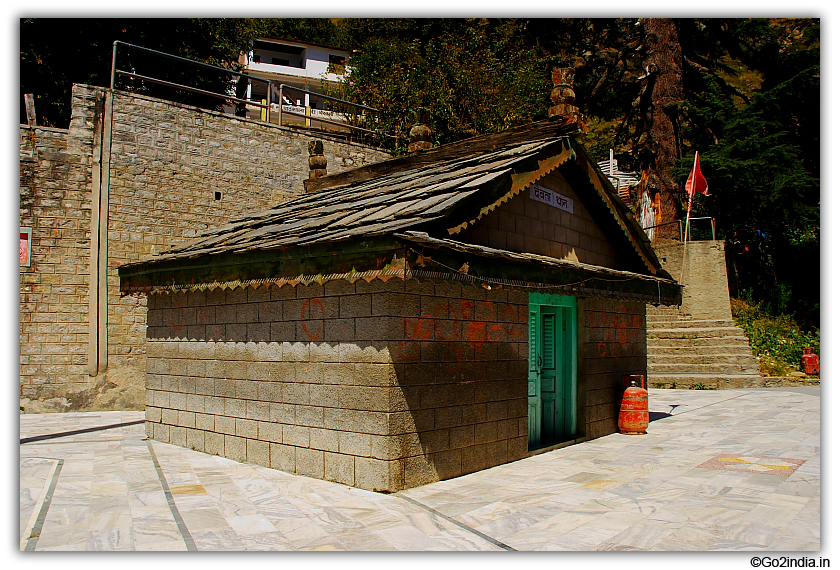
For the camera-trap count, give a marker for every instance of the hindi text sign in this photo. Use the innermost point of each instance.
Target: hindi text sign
(552, 198)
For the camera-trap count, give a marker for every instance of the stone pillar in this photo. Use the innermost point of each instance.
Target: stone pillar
(563, 96)
(420, 135)
(317, 160)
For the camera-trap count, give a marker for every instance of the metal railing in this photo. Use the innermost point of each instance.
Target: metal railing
(683, 236)
(265, 105)
(307, 114)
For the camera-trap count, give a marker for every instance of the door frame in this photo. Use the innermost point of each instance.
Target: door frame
(567, 384)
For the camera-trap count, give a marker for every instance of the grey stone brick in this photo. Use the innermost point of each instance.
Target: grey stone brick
(195, 439)
(186, 419)
(225, 425)
(234, 408)
(309, 462)
(339, 468)
(282, 457)
(205, 422)
(270, 431)
(247, 428)
(169, 416)
(235, 448)
(354, 443)
(324, 439)
(178, 436)
(338, 419)
(257, 452)
(153, 414)
(296, 435)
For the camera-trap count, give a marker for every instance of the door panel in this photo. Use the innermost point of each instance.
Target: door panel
(548, 372)
(534, 410)
(552, 382)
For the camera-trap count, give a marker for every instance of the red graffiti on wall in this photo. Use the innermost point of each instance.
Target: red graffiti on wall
(619, 330)
(311, 313)
(463, 329)
(174, 317)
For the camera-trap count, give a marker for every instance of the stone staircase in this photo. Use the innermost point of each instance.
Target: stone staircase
(684, 352)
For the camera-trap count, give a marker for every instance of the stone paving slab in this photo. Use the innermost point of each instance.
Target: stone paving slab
(115, 490)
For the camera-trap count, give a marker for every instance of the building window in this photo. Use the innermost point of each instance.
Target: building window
(279, 54)
(336, 64)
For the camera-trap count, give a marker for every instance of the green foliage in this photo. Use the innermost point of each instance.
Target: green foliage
(475, 76)
(776, 339)
(752, 111)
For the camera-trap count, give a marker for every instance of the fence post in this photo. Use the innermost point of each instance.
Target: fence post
(280, 106)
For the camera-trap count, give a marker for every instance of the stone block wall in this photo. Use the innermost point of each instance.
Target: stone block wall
(702, 266)
(615, 344)
(175, 170)
(382, 386)
(55, 202)
(379, 385)
(523, 224)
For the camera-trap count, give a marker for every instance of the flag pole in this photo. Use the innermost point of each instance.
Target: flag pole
(685, 242)
(692, 177)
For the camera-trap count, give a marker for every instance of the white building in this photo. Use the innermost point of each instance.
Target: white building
(298, 71)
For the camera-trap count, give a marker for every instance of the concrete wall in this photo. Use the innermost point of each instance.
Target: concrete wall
(158, 166)
(703, 269)
(383, 386)
(523, 224)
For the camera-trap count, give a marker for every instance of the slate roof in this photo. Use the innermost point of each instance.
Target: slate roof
(424, 239)
(355, 221)
(384, 205)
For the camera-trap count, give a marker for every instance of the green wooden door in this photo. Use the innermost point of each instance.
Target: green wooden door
(552, 381)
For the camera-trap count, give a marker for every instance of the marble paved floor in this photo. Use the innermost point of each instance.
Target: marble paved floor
(718, 470)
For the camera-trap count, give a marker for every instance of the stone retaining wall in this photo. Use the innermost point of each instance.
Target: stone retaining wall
(174, 170)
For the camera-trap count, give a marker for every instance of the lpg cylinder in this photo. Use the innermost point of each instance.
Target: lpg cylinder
(810, 362)
(633, 418)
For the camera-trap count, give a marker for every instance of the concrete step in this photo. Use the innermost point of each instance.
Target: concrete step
(698, 343)
(695, 333)
(682, 368)
(707, 381)
(701, 358)
(667, 317)
(694, 324)
(667, 310)
(694, 352)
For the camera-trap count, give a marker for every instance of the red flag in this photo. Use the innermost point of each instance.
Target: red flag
(696, 181)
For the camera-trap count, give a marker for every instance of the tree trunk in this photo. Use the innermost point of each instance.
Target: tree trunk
(663, 61)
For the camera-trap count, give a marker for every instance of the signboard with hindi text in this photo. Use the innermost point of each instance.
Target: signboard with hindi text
(552, 198)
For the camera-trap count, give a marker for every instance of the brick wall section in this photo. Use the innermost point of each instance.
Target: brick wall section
(615, 344)
(54, 202)
(382, 386)
(167, 163)
(524, 225)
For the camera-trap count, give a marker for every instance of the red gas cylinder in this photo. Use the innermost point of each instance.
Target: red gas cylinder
(810, 362)
(633, 418)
